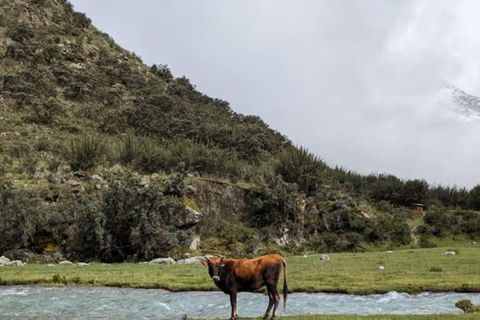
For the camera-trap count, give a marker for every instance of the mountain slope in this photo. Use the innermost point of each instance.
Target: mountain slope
(60, 73)
(103, 157)
(454, 99)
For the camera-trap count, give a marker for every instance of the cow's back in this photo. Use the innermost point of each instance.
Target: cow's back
(251, 274)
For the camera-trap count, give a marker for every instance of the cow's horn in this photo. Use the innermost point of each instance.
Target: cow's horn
(222, 257)
(206, 257)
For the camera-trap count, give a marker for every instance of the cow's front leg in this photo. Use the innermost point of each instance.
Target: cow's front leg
(233, 302)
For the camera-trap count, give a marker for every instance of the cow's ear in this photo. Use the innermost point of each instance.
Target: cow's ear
(204, 262)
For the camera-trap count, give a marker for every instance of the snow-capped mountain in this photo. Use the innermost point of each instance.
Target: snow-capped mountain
(458, 101)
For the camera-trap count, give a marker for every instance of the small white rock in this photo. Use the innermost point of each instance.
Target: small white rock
(50, 265)
(381, 268)
(324, 257)
(65, 262)
(17, 263)
(450, 253)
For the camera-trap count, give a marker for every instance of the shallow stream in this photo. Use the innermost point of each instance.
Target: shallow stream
(23, 302)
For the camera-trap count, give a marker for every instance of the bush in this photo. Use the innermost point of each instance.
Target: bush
(466, 306)
(274, 205)
(298, 165)
(85, 153)
(436, 269)
(141, 222)
(46, 111)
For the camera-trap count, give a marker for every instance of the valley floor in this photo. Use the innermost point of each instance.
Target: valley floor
(408, 270)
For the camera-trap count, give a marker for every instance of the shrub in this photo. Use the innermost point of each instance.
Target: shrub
(298, 165)
(85, 153)
(274, 205)
(436, 269)
(46, 111)
(466, 306)
(141, 222)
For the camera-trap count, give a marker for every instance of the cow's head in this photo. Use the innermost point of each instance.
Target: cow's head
(214, 265)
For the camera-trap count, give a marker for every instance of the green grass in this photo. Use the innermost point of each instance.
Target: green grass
(382, 317)
(354, 273)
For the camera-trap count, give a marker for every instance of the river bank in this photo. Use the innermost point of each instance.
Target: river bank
(409, 270)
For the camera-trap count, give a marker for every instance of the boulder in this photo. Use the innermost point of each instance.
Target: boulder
(17, 263)
(144, 182)
(324, 257)
(188, 261)
(82, 264)
(162, 261)
(38, 175)
(66, 262)
(450, 253)
(4, 261)
(97, 179)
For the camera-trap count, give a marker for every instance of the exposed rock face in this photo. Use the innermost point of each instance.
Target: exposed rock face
(162, 261)
(190, 219)
(195, 243)
(216, 200)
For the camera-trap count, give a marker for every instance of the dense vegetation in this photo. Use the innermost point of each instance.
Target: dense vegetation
(100, 157)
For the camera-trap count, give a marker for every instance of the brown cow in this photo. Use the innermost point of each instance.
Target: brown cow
(233, 275)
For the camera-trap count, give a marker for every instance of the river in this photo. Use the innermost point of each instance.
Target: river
(25, 302)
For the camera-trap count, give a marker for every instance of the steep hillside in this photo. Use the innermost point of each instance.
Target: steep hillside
(103, 157)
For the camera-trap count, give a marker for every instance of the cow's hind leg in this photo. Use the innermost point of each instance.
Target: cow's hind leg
(276, 300)
(270, 302)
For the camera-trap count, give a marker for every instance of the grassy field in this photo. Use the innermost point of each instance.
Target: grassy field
(410, 270)
(470, 316)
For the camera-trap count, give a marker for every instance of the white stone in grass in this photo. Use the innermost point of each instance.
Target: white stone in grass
(5, 261)
(381, 268)
(18, 263)
(66, 262)
(163, 261)
(450, 253)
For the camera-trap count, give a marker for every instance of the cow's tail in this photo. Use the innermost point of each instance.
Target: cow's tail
(285, 287)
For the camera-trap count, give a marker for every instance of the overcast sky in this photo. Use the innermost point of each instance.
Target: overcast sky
(350, 80)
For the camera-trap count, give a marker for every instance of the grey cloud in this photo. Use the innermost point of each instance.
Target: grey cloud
(350, 80)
